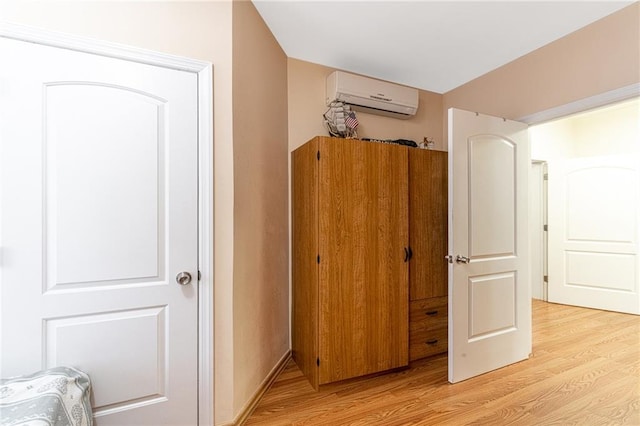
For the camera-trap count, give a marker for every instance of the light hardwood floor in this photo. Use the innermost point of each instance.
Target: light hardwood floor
(585, 370)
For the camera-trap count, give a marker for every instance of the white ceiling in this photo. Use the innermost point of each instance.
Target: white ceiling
(431, 45)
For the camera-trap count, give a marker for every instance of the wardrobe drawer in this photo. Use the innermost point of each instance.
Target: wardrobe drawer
(428, 314)
(425, 343)
(428, 325)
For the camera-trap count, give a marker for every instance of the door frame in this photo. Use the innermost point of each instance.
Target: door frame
(592, 102)
(538, 212)
(581, 105)
(204, 72)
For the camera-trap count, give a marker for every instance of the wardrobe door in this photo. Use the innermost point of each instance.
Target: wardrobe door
(428, 223)
(363, 229)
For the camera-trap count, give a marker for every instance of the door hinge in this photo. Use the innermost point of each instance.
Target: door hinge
(545, 227)
(545, 278)
(318, 155)
(545, 176)
(318, 259)
(199, 276)
(318, 362)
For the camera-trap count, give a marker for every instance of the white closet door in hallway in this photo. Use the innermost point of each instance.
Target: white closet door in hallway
(99, 214)
(593, 232)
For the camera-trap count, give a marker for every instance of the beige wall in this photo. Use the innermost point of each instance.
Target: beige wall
(613, 130)
(307, 104)
(598, 58)
(261, 269)
(549, 140)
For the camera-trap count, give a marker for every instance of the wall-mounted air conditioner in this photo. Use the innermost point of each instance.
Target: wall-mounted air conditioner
(371, 95)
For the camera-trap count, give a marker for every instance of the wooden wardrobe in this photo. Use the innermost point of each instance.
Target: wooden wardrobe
(369, 245)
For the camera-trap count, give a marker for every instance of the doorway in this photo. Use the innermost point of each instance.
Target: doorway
(593, 196)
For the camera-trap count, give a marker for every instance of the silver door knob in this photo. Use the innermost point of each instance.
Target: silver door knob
(462, 259)
(183, 278)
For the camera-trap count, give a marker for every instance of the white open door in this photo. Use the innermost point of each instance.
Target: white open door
(593, 232)
(489, 289)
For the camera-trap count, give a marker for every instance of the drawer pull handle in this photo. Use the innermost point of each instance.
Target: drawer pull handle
(431, 313)
(431, 342)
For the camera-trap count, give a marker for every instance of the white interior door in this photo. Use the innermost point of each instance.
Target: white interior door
(98, 202)
(593, 232)
(489, 291)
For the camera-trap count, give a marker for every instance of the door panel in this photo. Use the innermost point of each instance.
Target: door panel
(141, 331)
(593, 232)
(486, 293)
(99, 214)
(489, 294)
(492, 232)
(84, 232)
(363, 219)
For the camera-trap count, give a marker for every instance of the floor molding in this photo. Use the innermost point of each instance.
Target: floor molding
(246, 411)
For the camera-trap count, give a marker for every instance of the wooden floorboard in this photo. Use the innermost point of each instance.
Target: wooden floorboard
(584, 370)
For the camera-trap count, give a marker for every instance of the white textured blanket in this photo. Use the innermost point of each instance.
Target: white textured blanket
(56, 397)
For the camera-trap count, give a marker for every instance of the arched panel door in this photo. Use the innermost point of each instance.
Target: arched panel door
(489, 293)
(99, 215)
(593, 232)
